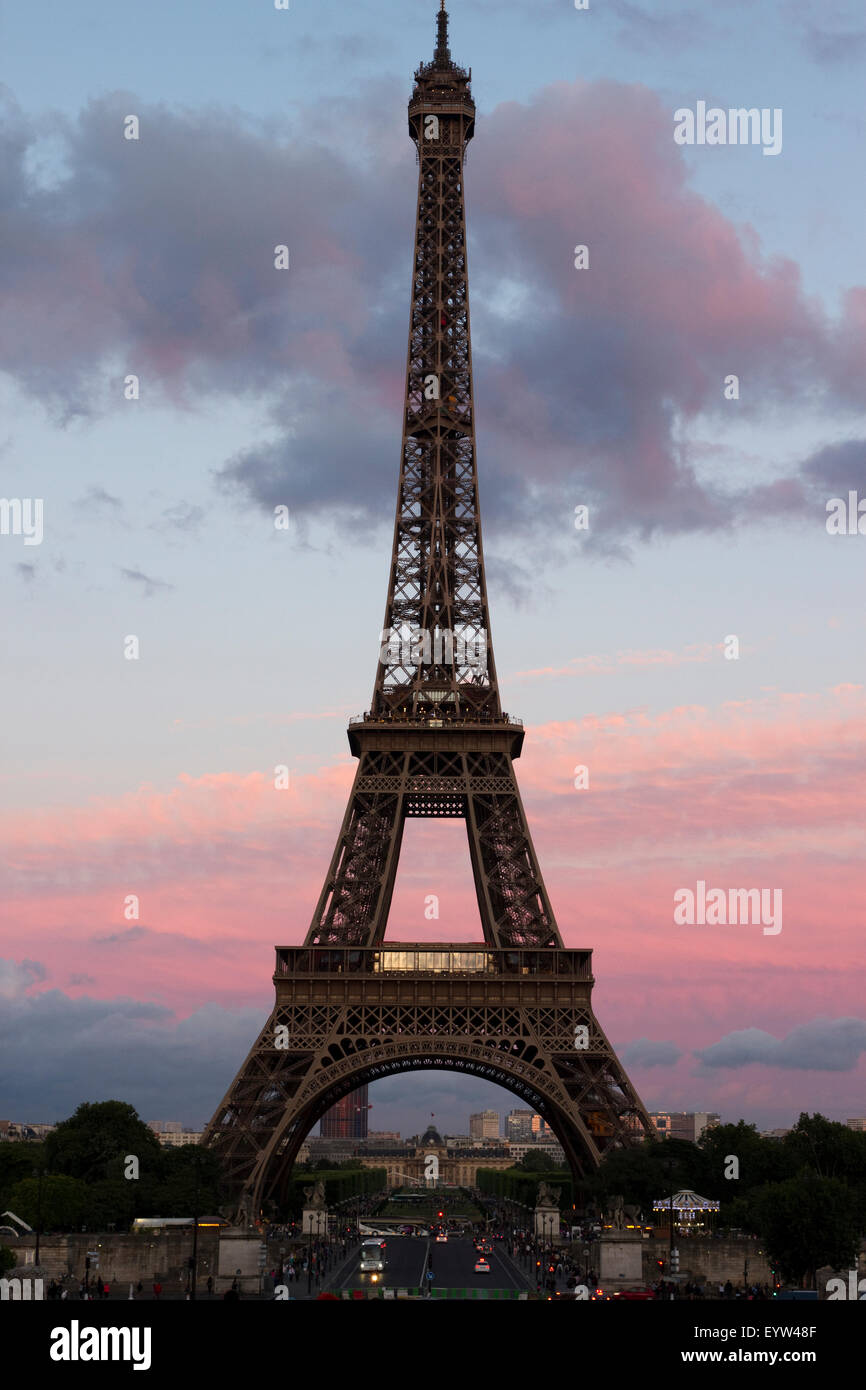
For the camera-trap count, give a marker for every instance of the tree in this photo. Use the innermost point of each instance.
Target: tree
(536, 1161)
(191, 1178)
(645, 1172)
(62, 1205)
(17, 1161)
(8, 1259)
(759, 1160)
(827, 1148)
(807, 1222)
(95, 1142)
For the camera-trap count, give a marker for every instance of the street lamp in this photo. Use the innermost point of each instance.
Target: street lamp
(673, 1254)
(195, 1216)
(37, 1173)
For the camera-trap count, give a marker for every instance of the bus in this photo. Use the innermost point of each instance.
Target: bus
(373, 1256)
(155, 1225)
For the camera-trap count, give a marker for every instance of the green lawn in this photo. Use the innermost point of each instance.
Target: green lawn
(454, 1204)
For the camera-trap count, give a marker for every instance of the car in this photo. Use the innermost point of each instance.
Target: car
(632, 1294)
(442, 1238)
(482, 1267)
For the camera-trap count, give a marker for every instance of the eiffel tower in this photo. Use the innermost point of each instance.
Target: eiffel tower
(350, 1008)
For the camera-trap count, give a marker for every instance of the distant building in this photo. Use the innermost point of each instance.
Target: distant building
(553, 1149)
(774, 1133)
(518, 1124)
(409, 1165)
(684, 1124)
(858, 1123)
(172, 1134)
(348, 1118)
(17, 1131)
(331, 1150)
(384, 1136)
(484, 1125)
(176, 1139)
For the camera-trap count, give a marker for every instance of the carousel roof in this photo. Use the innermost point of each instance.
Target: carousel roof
(686, 1201)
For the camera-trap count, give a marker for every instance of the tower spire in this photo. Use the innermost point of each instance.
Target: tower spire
(442, 57)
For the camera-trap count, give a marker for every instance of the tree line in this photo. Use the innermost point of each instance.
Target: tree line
(803, 1195)
(81, 1177)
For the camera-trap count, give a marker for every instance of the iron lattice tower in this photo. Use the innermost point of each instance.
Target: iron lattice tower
(434, 743)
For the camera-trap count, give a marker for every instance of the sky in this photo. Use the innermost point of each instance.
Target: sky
(736, 764)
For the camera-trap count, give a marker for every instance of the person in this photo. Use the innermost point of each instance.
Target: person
(139, 1288)
(210, 1283)
(157, 1288)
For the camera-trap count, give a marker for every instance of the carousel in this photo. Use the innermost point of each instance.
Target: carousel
(690, 1214)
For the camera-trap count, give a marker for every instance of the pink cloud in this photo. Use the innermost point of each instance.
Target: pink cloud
(765, 793)
(605, 665)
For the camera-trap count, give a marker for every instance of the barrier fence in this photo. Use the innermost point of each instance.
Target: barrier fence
(435, 1293)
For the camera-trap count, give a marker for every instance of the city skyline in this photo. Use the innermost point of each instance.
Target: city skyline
(151, 856)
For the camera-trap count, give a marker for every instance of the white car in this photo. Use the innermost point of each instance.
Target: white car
(442, 1238)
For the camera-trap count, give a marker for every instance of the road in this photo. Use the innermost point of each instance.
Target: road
(408, 1258)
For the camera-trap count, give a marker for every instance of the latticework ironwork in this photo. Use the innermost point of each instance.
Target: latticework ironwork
(435, 743)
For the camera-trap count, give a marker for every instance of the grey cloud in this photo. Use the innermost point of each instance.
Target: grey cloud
(118, 1048)
(96, 499)
(838, 467)
(832, 46)
(149, 585)
(824, 1044)
(582, 401)
(131, 936)
(183, 516)
(128, 935)
(645, 30)
(16, 976)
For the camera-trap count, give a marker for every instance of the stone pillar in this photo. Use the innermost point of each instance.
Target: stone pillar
(314, 1221)
(620, 1259)
(546, 1223)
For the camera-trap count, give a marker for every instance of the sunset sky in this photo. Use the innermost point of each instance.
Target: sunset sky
(602, 387)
